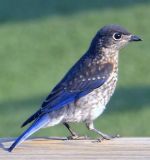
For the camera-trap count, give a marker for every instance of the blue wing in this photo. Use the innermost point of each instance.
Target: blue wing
(79, 81)
(84, 77)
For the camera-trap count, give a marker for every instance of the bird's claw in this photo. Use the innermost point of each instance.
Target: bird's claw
(107, 137)
(99, 139)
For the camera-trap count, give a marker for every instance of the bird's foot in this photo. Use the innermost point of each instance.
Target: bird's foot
(107, 137)
(77, 137)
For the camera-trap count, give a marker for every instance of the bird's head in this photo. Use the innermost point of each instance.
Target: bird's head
(113, 37)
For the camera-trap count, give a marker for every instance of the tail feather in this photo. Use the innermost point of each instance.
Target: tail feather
(39, 123)
(32, 118)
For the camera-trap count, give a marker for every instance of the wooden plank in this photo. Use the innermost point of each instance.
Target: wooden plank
(50, 148)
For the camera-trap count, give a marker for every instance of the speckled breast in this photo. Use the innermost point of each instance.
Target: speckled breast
(92, 105)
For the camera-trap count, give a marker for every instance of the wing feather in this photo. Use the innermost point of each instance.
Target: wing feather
(78, 82)
(74, 87)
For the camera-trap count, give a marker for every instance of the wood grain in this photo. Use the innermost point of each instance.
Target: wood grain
(51, 148)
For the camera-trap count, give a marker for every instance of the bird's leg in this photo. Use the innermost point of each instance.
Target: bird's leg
(90, 126)
(74, 135)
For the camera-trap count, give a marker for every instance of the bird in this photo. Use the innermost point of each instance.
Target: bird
(85, 90)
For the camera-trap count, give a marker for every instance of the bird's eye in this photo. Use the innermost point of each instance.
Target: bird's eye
(117, 36)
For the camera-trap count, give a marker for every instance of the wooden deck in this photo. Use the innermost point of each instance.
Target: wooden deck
(47, 149)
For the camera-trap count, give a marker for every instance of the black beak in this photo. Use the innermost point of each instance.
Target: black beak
(135, 38)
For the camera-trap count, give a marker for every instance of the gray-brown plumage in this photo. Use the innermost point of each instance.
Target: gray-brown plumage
(82, 95)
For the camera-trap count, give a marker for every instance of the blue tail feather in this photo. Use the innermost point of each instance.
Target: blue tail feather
(38, 124)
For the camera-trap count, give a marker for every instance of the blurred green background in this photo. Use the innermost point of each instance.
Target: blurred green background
(40, 40)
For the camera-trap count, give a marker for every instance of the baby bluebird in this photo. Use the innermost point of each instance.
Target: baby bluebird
(82, 95)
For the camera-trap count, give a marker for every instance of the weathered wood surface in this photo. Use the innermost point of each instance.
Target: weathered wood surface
(47, 149)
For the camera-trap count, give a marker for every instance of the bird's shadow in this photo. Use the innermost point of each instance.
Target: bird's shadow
(3, 147)
(3, 142)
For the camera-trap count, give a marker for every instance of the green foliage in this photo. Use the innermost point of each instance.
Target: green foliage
(41, 40)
